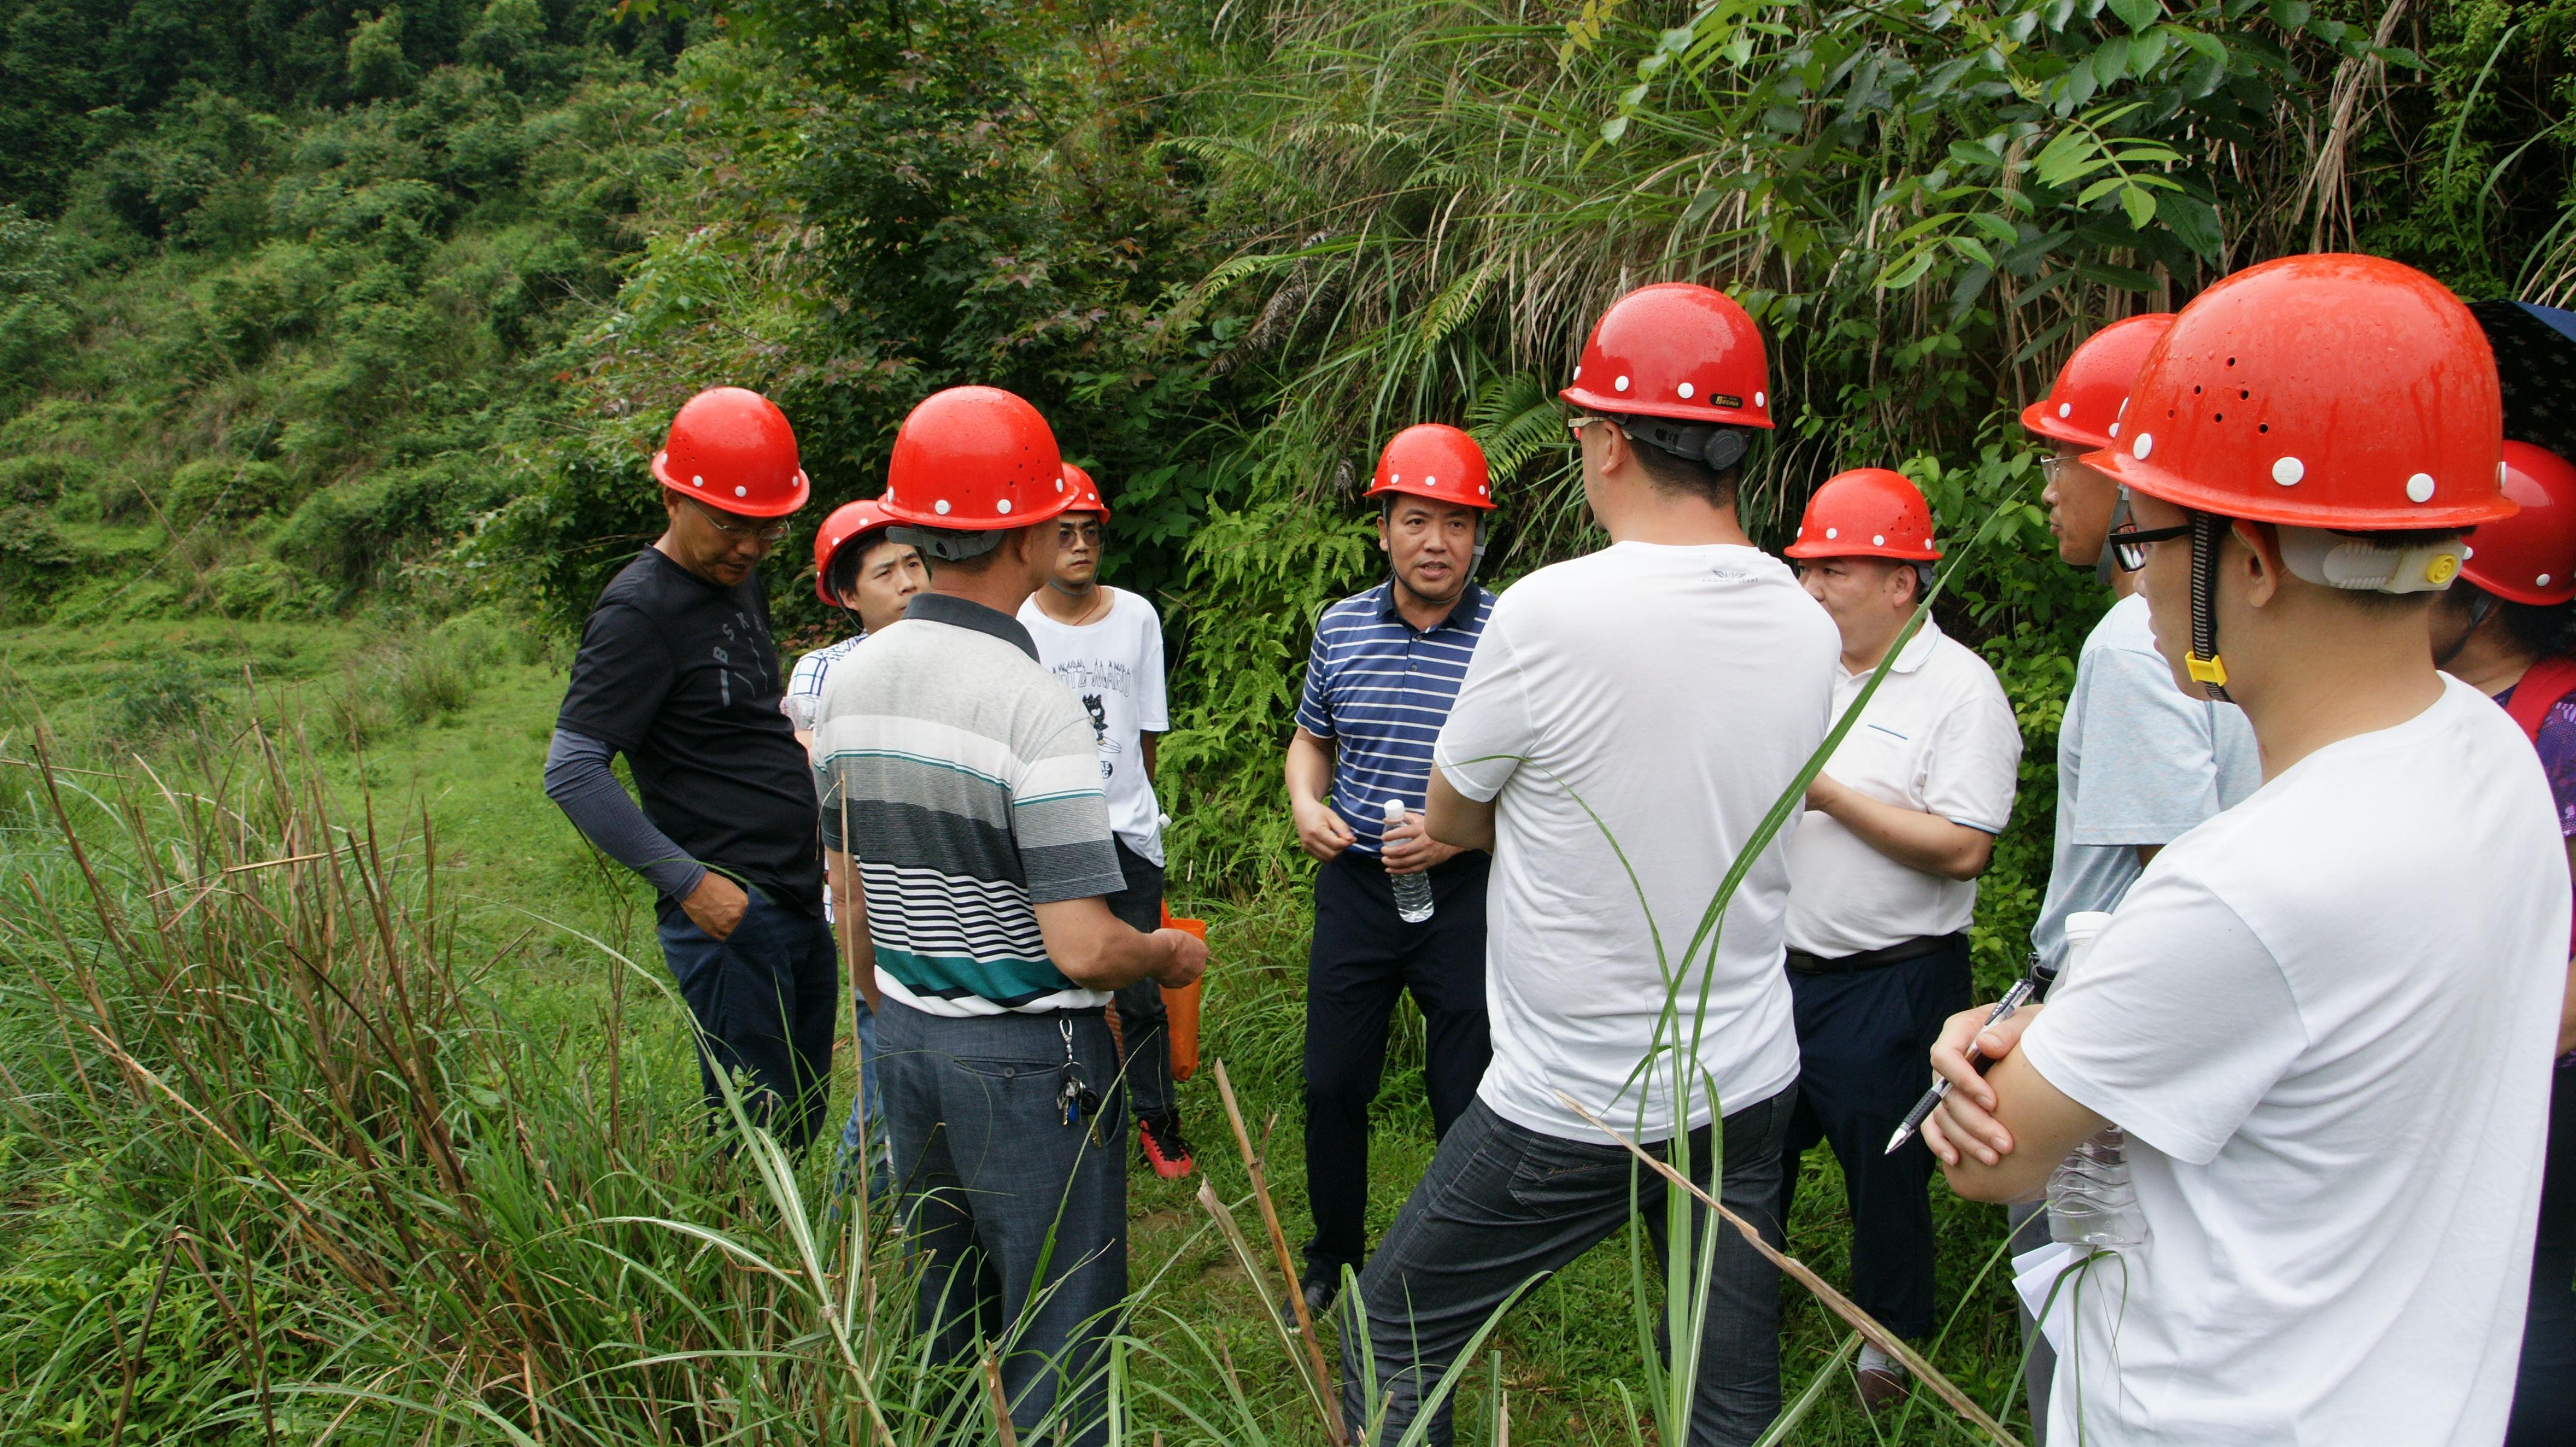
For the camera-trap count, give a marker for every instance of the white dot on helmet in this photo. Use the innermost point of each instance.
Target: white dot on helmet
(1685, 391)
(1430, 481)
(2065, 409)
(1003, 506)
(1832, 533)
(2419, 488)
(2288, 470)
(1621, 385)
(697, 482)
(1878, 540)
(1578, 372)
(742, 492)
(2145, 444)
(940, 507)
(2541, 582)
(1760, 401)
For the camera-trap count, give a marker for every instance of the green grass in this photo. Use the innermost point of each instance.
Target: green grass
(454, 723)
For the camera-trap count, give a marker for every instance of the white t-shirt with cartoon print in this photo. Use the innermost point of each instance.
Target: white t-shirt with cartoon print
(1114, 667)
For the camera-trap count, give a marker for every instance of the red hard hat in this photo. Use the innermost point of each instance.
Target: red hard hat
(848, 526)
(975, 459)
(1086, 493)
(1868, 512)
(2330, 391)
(2082, 408)
(1437, 461)
(2529, 557)
(731, 448)
(1675, 349)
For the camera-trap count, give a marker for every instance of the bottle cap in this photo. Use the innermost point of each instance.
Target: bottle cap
(2084, 924)
(1395, 811)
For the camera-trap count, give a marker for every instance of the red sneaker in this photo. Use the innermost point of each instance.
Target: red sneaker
(1164, 1149)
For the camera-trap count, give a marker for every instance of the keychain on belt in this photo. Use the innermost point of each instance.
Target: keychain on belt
(1074, 1096)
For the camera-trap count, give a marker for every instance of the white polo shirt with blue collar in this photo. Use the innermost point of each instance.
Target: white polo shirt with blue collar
(1939, 738)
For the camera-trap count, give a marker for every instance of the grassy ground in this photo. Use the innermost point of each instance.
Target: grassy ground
(450, 725)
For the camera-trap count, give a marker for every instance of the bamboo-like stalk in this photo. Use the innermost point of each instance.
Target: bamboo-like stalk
(1253, 1166)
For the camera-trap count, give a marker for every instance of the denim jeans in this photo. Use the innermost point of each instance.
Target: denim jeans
(763, 998)
(1018, 1219)
(866, 1127)
(1502, 1205)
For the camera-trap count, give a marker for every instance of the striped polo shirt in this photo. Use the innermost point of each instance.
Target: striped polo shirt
(967, 782)
(1379, 689)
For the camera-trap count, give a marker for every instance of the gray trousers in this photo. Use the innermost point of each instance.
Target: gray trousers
(1019, 1220)
(1503, 1204)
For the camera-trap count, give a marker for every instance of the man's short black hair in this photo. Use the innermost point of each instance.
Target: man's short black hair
(1672, 472)
(843, 575)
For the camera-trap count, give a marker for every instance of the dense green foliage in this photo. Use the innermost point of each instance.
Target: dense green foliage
(308, 311)
(283, 287)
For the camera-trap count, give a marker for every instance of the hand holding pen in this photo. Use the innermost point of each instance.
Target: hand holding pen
(2034, 982)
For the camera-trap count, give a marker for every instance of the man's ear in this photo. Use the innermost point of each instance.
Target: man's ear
(1382, 545)
(2263, 567)
(670, 505)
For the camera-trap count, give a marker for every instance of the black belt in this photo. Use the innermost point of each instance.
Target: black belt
(1801, 962)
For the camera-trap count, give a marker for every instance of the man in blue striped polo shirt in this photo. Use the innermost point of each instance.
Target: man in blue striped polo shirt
(1385, 666)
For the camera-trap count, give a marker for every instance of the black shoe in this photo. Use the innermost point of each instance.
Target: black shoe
(1319, 1292)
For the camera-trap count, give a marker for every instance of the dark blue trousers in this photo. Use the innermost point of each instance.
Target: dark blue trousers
(2544, 1395)
(1363, 957)
(765, 999)
(1864, 1040)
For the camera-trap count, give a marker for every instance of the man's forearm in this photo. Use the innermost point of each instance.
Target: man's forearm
(1309, 768)
(578, 780)
(1911, 837)
(1456, 820)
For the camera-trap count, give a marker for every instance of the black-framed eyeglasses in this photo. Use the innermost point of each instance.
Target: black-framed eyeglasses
(2129, 542)
(768, 534)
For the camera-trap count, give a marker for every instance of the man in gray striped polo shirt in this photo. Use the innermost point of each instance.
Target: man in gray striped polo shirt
(963, 782)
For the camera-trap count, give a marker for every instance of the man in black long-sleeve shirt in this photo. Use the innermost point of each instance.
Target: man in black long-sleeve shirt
(677, 672)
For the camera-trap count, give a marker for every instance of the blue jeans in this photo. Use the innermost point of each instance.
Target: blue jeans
(1503, 1204)
(1018, 1219)
(763, 999)
(866, 1126)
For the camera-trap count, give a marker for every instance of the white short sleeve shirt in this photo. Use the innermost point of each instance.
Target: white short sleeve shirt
(1938, 738)
(2325, 1018)
(1640, 709)
(1114, 668)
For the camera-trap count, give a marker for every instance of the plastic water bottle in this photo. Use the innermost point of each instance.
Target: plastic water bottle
(1412, 891)
(2091, 1200)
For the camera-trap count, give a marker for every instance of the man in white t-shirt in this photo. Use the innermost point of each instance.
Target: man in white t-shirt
(2139, 762)
(1882, 884)
(1106, 645)
(1628, 720)
(2325, 1018)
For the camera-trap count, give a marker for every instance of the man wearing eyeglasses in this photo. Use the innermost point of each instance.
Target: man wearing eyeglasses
(677, 672)
(2139, 764)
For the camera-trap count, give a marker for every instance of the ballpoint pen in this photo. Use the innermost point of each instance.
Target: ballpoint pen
(2033, 982)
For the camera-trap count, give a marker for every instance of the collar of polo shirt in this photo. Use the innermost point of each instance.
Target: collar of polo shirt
(1458, 612)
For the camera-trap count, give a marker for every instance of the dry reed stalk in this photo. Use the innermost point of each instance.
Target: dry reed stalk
(1287, 1265)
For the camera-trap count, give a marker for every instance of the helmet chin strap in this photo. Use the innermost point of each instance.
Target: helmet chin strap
(2481, 603)
(2203, 662)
